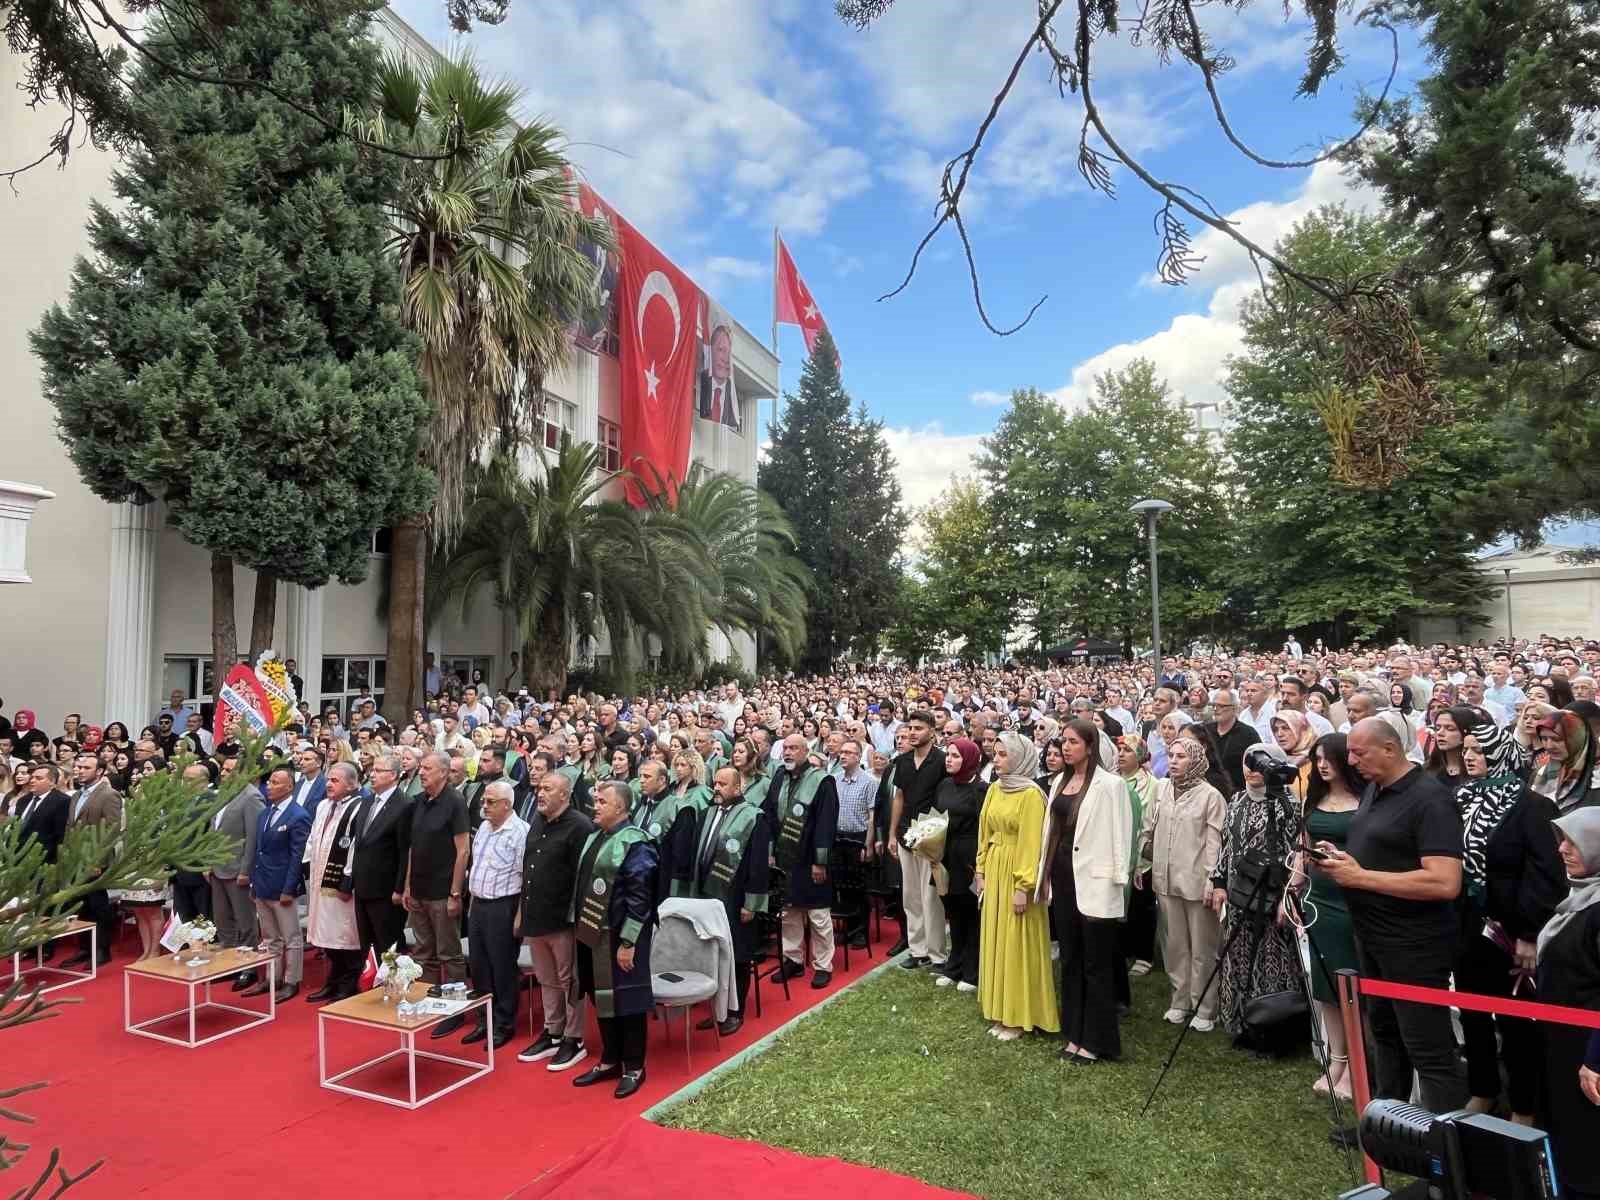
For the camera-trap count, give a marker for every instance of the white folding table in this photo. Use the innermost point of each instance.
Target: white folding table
(39, 966)
(369, 1010)
(198, 982)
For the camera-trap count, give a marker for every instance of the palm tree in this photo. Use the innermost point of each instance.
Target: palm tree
(760, 583)
(564, 561)
(488, 239)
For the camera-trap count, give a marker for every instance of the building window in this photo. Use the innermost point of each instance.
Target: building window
(609, 442)
(382, 540)
(348, 679)
(559, 417)
(464, 666)
(190, 674)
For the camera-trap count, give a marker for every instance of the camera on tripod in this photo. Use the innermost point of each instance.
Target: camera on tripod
(1278, 773)
(1456, 1156)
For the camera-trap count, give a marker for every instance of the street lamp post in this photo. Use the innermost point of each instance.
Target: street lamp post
(1511, 634)
(1150, 510)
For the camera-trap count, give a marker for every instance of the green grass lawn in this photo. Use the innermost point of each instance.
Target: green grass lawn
(901, 1075)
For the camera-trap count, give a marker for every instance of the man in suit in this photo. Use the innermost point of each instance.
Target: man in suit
(383, 844)
(232, 907)
(45, 813)
(95, 802)
(281, 833)
(191, 891)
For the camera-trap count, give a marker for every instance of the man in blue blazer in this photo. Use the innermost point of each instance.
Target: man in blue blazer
(281, 833)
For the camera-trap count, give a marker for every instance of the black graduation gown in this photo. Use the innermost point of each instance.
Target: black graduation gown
(633, 896)
(750, 878)
(1569, 973)
(816, 842)
(674, 848)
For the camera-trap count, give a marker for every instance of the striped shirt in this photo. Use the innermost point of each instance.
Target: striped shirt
(497, 859)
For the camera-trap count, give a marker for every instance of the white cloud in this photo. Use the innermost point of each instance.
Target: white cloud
(679, 111)
(1189, 353)
(987, 399)
(721, 268)
(928, 458)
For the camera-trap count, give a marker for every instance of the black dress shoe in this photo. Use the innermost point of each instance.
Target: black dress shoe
(501, 1037)
(822, 979)
(286, 993)
(479, 1034)
(258, 988)
(322, 993)
(598, 1074)
(448, 1026)
(705, 1023)
(899, 947)
(103, 959)
(77, 960)
(912, 963)
(788, 970)
(244, 981)
(630, 1083)
(731, 1026)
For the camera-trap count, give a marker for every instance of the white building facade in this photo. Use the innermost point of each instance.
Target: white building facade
(118, 611)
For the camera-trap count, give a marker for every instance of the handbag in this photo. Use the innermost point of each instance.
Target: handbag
(1276, 1023)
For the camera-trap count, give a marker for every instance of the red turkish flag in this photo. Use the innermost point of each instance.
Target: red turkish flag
(795, 305)
(659, 355)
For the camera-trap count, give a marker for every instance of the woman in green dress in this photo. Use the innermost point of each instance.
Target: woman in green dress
(1016, 982)
(1332, 795)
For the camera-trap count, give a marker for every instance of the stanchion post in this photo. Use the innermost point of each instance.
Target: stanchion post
(1356, 1047)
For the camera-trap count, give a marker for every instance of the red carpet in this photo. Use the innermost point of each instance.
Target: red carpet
(644, 1159)
(245, 1116)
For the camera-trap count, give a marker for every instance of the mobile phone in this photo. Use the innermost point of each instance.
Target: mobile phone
(670, 977)
(1318, 855)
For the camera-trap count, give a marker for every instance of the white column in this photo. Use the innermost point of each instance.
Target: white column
(302, 639)
(131, 616)
(17, 502)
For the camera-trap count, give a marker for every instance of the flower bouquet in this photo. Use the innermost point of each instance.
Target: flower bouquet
(397, 972)
(196, 936)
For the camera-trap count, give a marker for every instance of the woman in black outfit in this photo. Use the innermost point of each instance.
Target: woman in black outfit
(1569, 973)
(1512, 880)
(960, 794)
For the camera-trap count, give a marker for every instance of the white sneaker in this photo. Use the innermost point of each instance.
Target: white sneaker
(1201, 1025)
(942, 981)
(1174, 1016)
(1140, 967)
(964, 986)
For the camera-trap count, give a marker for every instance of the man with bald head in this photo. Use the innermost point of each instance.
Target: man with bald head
(1401, 874)
(802, 807)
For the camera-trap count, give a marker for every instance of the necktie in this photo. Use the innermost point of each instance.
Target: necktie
(716, 403)
(83, 799)
(709, 848)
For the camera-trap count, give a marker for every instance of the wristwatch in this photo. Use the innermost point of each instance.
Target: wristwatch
(455, 895)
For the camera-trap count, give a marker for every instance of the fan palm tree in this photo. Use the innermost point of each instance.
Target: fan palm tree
(488, 240)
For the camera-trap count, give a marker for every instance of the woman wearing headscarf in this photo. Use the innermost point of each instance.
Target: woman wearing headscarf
(1562, 769)
(1179, 843)
(1083, 873)
(1295, 737)
(960, 794)
(1263, 958)
(1568, 973)
(1016, 986)
(1045, 730)
(1137, 940)
(1512, 880)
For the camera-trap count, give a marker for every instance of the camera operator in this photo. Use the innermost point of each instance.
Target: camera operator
(1401, 874)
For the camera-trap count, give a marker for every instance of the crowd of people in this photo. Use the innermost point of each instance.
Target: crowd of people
(1251, 822)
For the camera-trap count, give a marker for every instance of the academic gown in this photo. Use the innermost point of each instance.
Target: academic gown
(633, 897)
(331, 921)
(815, 846)
(675, 843)
(750, 879)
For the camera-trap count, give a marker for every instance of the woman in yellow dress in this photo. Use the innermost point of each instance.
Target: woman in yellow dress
(1016, 983)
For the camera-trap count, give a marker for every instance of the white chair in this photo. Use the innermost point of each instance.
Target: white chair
(683, 967)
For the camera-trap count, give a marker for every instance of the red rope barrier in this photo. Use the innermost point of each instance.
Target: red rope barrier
(1473, 1002)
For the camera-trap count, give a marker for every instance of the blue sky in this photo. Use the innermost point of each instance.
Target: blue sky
(708, 121)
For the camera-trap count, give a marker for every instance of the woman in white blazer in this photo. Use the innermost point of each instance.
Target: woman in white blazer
(1083, 870)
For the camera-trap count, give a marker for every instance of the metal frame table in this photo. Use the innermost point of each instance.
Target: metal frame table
(223, 965)
(369, 1010)
(40, 966)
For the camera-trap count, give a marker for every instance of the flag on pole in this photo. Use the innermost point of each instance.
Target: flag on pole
(792, 300)
(369, 975)
(170, 939)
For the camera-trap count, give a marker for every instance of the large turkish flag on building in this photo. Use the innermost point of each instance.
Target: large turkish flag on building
(659, 356)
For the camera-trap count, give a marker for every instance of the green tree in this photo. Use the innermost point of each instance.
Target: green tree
(234, 347)
(917, 628)
(489, 243)
(1341, 562)
(831, 472)
(960, 587)
(1071, 556)
(1490, 165)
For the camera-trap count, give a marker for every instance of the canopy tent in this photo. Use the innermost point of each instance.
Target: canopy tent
(1085, 648)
